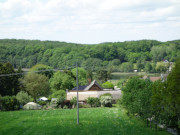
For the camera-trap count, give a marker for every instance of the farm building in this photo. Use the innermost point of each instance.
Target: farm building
(91, 90)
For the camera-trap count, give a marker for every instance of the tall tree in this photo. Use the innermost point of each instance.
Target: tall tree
(61, 81)
(36, 85)
(137, 97)
(9, 84)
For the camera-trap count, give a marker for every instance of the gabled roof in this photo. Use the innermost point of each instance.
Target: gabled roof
(90, 85)
(87, 87)
(80, 87)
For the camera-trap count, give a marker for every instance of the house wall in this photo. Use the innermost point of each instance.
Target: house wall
(85, 94)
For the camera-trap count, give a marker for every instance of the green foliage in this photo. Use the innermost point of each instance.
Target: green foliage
(93, 121)
(148, 67)
(9, 85)
(73, 101)
(60, 101)
(36, 85)
(23, 97)
(10, 103)
(162, 67)
(61, 81)
(164, 52)
(108, 85)
(93, 102)
(120, 83)
(41, 67)
(82, 75)
(137, 97)
(27, 53)
(103, 75)
(90, 74)
(106, 101)
(166, 98)
(58, 94)
(42, 103)
(126, 67)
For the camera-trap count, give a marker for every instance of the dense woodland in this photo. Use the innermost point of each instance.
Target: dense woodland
(156, 100)
(119, 56)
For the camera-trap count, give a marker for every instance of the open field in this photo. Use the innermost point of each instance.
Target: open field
(95, 121)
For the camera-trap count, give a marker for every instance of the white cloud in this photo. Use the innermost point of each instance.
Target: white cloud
(47, 19)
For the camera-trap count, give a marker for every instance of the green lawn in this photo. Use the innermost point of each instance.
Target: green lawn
(95, 121)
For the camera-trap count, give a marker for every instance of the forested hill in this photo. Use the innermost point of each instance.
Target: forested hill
(26, 53)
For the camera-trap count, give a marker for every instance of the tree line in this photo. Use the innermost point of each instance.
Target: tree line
(158, 102)
(40, 81)
(117, 56)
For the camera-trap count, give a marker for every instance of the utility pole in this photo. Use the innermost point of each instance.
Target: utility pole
(77, 86)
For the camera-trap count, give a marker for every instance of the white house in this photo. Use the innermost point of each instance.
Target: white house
(92, 90)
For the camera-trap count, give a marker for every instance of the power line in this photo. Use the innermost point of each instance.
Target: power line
(55, 70)
(12, 74)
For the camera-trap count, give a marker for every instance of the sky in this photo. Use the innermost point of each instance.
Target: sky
(90, 21)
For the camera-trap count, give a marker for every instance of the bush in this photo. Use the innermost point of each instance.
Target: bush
(42, 103)
(54, 103)
(90, 101)
(67, 103)
(23, 97)
(97, 102)
(106, 101)
(136, 97)
(60, 101)
(58, 94)
(108, 85)
(10, 103)
(65, 107)
(73, 102)
(93, 102)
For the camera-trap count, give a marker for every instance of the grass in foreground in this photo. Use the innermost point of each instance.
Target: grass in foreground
(95, 121)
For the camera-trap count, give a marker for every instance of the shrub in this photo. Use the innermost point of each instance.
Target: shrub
(54, 103)
(60, 101)
(93, 102)
(23, 97)
(108, 85)
(136, 97)
(97, 102)
(67, 103)
(42, 103)
(65, 107)
(10, 103)
(73, 101)
(106, 101)
(90, 101)
(58, 94)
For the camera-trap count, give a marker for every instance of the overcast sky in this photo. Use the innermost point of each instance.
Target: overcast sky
(90, 21)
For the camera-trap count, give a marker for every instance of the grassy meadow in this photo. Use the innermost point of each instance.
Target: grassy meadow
(93, 121)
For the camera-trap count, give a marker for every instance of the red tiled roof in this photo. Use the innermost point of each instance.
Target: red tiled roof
(153, 79)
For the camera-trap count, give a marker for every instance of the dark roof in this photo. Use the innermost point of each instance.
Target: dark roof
(87, 87)
(80, 87)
